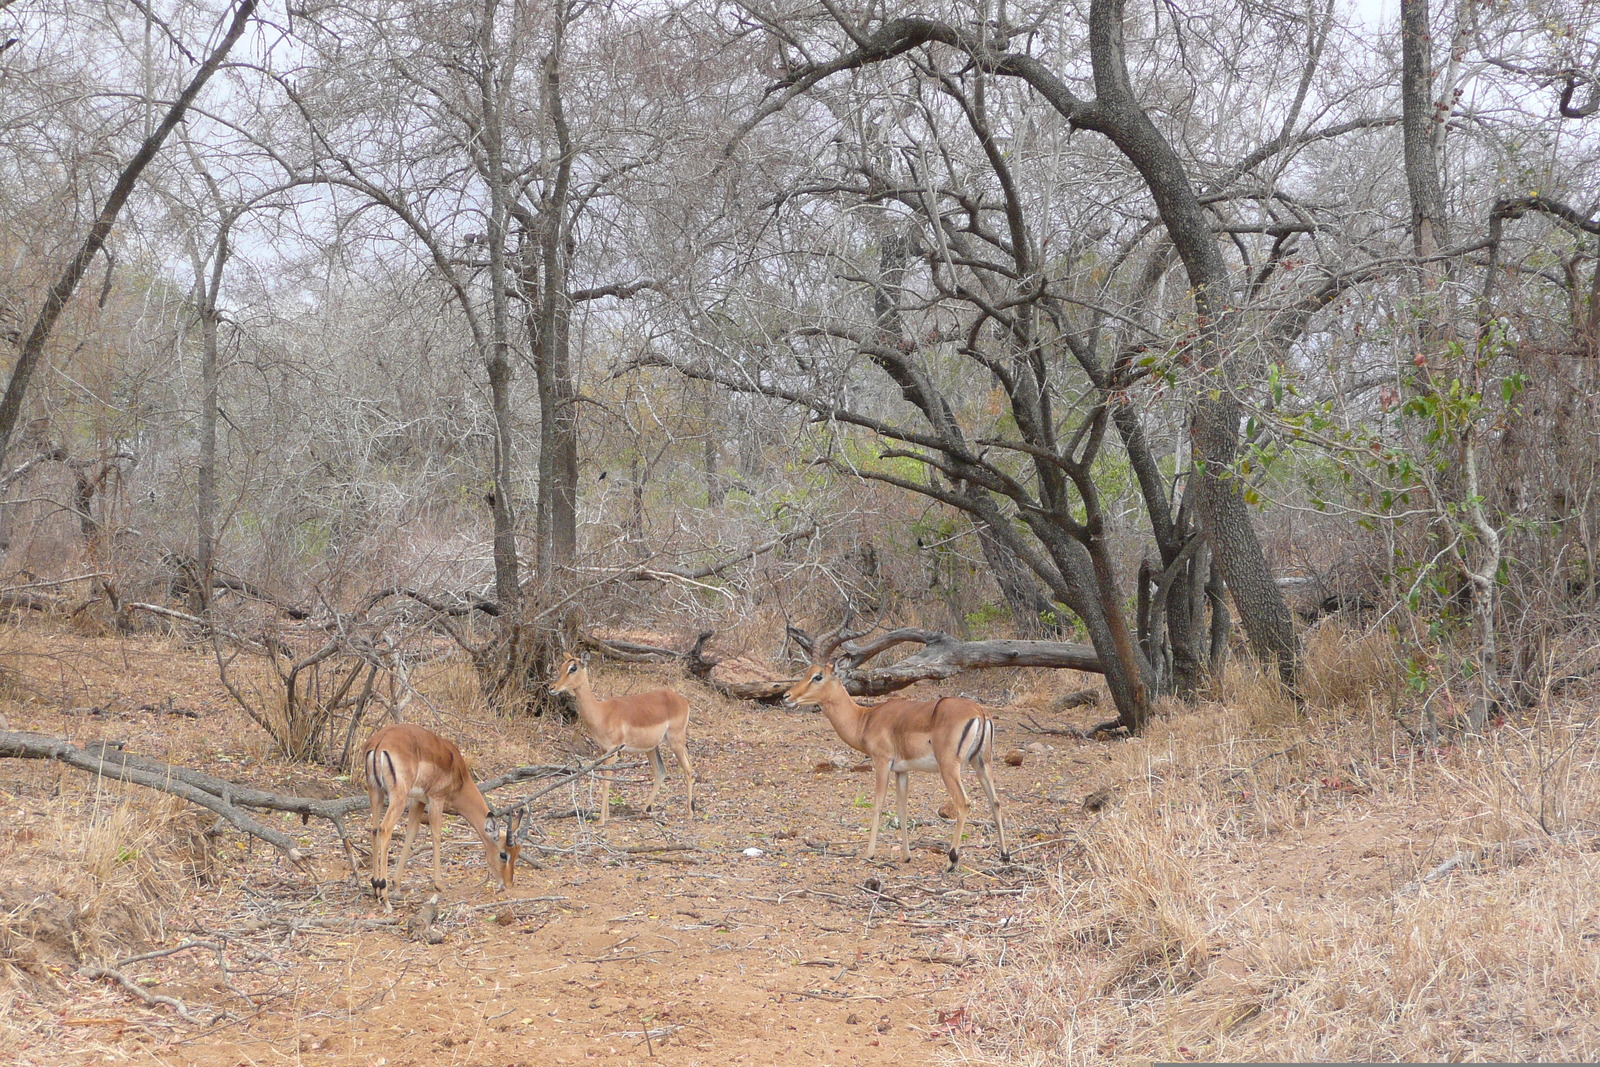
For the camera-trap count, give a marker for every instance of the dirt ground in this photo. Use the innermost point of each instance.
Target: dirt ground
(650, 940)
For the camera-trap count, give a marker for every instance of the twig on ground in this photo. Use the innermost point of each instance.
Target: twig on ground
(1035, 726)
(510, 903)
(1514, 852)
(222, 963)
(149, 998)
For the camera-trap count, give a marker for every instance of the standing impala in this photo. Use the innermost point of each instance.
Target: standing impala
(639, 722)
(903, 735)
(414, 771)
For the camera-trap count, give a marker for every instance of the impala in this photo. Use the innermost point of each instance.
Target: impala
(414, 771)
(639, 722)
(903, 735)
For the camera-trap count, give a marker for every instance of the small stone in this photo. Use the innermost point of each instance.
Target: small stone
(754, 853)
(1015, 757)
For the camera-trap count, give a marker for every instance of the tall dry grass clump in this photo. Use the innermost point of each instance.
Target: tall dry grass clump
(1345, 667)
(101, 877)
(1311, 887)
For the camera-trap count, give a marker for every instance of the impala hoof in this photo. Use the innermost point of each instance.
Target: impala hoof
(1005, 857)
(955, 860)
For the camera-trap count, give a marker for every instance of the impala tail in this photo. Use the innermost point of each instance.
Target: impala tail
(977, 741)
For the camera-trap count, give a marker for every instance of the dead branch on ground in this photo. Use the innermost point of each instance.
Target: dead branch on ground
(227, 798)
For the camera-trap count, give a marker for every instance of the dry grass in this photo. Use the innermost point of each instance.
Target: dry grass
(1260, 893)
(104, 876)
(1255, 891)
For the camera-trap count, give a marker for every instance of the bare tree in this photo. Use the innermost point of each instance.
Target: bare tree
(61, 292)
(1115, 112)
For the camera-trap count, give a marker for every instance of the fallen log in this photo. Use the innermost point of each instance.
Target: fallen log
(180, 782)
(941, 656)
(27, 600)
(227, 798)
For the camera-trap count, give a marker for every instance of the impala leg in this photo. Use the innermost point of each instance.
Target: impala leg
(900, 778)
(377, 805)
(436, 825)
(382, 831)
(413, 820)
(958, 798)
(604, 774)
(680, 752)
(658, 768)
(994, 803)
(880, 790)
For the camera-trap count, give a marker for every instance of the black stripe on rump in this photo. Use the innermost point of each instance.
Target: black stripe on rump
(966, 731)
(384, 782)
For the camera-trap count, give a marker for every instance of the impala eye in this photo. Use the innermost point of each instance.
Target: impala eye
(572, 668)
(817, 677)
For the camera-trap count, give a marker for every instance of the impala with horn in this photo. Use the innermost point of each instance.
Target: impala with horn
(902, 735)
(637, 722)
(415, 772)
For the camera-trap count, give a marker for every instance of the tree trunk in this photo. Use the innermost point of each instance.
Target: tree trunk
(1216, 413)
(1033, 613)
(208, 272)
(558, 410)
(1419, 118)
(492, 98)
(507, 577)
(206, 476)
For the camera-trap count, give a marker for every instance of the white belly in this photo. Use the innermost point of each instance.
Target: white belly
(921, 763)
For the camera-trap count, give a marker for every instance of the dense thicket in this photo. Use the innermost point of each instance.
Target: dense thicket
(1111, 322)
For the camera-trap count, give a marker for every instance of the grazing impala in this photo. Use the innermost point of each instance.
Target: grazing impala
(414, 771)
(903, 735)
(639, 722)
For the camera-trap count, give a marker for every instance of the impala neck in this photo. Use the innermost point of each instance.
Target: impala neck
(475, 810)
(583, 693)
(849, 719)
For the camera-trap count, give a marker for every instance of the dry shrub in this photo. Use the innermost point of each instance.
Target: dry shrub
(1531, 780)
(1493, 966)
(1249, 693)
(451, 684)
(1262, 893)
